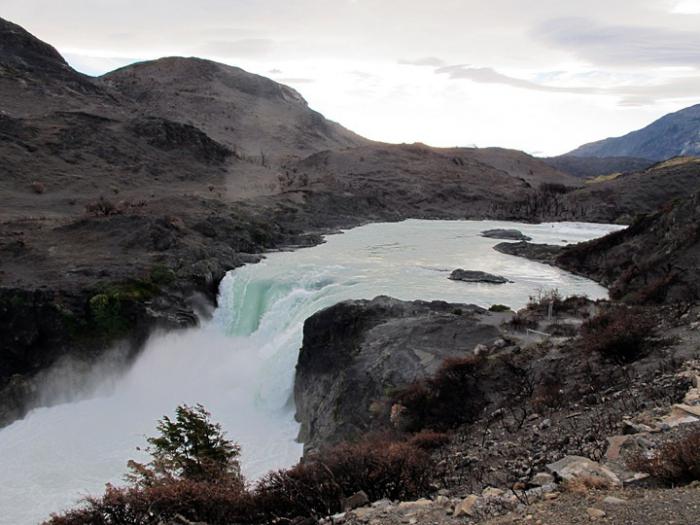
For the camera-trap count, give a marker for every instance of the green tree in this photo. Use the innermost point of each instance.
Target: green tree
(190, 447)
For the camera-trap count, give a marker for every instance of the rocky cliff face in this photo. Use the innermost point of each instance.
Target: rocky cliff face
(357, 353)
(656, 259)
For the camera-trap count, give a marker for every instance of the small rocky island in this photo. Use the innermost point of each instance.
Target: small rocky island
(508, 235)
(472, 276)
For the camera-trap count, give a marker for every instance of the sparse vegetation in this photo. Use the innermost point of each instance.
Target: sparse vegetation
(619, 334)
(499, 308)
(38, 187)
(101, 208)
(194, 472)
(677, 462)
(450, 398)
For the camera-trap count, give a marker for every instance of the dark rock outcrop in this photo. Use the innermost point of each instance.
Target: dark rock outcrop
(471, 276)
(509, 235)
(655, 260)
(545, 253)
(357, 352)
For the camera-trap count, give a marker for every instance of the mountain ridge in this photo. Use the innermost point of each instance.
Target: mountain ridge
(675, 134)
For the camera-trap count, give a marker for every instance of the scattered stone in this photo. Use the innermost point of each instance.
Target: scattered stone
(595, 514)
(473, 276)
(492, 493)
(466, 507)
(359, 499)
(542, 478)
(612, 500)
(415, 505)
(505, 234)
(572, 467)
(634, 428)
(480, 349)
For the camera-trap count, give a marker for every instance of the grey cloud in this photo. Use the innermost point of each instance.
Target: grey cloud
(487, 75)
(425, 61)
(622, 45)
(631, 95)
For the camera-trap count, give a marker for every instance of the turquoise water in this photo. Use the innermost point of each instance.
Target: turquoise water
(240, 364)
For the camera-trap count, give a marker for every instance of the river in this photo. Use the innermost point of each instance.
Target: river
(240, 363)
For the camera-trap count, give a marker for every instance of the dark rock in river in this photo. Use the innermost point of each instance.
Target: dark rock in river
(356, 353)
(510, 235)
(545, 253)
(471, 276)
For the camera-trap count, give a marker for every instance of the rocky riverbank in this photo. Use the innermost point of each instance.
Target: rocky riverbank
(558, 423)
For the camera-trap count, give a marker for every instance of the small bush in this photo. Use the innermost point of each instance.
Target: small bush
(584, 484)
(383, 469)
(451, 398)
(499, 308)
(38, 187)
(562, 330)
(619, 334)
(196, 501)
(101, 208)
(429, 440)
(194, 473)
(675, 463)
(522, 322)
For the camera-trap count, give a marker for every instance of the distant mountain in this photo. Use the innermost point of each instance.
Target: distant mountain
(589, 167)
(248, 113)
(676, 134)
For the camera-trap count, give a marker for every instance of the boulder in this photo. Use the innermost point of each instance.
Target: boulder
(472, 276)
(467, 507)
(544, 253)
(357, 353)
(359, 499)
(572, 467)
(595, 514)
(541, 479)
(508, 235)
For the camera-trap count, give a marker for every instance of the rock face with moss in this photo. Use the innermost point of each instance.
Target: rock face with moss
(357, 353)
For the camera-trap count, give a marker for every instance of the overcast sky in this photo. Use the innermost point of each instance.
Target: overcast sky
(542, 75)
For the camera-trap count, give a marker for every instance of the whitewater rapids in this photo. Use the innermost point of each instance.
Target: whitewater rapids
(240, 364)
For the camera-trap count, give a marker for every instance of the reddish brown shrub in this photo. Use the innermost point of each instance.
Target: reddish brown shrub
(675, 463)
(429, 440)
(101, 208)
(619, 334)
(521, 322)
(449, 399)
(197, 501)
(383, 469)
(38, 187)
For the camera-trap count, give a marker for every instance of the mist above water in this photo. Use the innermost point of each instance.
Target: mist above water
(240, 364)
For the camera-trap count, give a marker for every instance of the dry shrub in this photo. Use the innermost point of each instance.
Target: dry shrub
(584, 484)
(197, 501)
(102, 208)
(548, 393)
(619, 334)
(449, 399)
(429, 440)
(521, 322)
(382, 469)
(38, 187)
(675, 463)
(654, 292)
(562, 329)
(315, 488)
